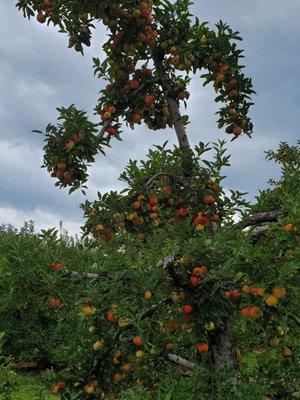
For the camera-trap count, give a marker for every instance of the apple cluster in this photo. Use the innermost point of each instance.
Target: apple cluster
(166, 203)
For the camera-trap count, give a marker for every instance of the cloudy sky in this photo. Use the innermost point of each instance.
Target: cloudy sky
(38, 73)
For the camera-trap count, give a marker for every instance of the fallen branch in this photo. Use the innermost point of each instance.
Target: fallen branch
(181, 361)
(269, 216)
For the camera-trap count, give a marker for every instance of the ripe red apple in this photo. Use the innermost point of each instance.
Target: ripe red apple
(182, 212)
(187, 309)
(150, 100)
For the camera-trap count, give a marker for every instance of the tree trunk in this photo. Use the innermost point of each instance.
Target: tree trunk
(223, 352)
(222, 348)
(177, 123)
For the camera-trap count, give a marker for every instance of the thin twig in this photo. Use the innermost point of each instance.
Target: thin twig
(155, 307)
(154, 177)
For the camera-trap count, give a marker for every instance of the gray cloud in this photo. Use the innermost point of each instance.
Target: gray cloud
(38, 73)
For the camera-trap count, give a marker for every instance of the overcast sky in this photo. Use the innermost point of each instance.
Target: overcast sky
(38, 73)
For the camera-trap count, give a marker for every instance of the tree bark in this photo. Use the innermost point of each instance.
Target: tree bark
(269, 216)
(258, 233)
(223, 353)
(175, 115)
(222, 347)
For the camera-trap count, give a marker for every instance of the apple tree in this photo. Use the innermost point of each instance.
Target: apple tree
(184, 287)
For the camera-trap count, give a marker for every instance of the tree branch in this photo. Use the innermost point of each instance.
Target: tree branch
(175, 115)
(151, 180)
(88, 276)
(258, 233)
(223, 349)
(180, 179)
(181, 361)
(118, 333)
(103, 129)
(168, 264)
(269, 216)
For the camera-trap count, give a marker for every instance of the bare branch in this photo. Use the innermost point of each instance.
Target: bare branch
(181, 361)
(269, 216)
(88, 276)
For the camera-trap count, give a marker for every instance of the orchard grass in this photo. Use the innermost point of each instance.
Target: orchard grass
(27, 387)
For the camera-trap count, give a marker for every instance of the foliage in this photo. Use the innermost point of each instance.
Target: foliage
(161, 191)
(34, 329)
(74, 142)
